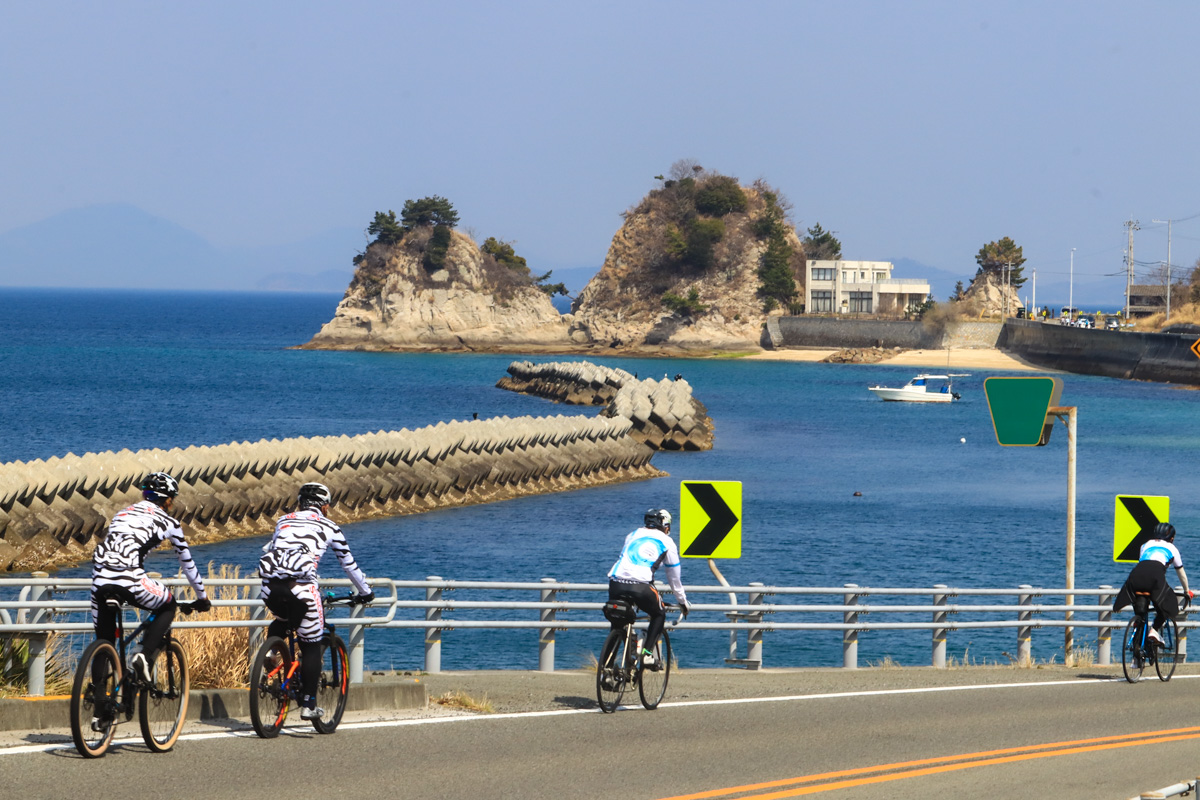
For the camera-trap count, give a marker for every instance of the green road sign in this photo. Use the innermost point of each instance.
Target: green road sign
(1019, 407)
(1134, 519)
(710, 519)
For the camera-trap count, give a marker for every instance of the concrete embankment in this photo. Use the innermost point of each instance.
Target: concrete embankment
(839, 332)
(52, 511)
(664, 414)
(1162, 357)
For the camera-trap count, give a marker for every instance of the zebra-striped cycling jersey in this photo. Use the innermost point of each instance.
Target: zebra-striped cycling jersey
(134, 532)
(300, 540)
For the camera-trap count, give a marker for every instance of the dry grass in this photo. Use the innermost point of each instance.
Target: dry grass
(1183, 313)
(887, 662)
(460, 699)
(218, 657)
(14, 659)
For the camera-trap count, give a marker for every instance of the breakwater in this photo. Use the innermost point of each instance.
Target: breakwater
(664, 415)
(1161, 357)
(52, 511)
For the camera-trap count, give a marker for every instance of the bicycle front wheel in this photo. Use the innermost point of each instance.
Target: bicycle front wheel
(1168, 652)
(271, 675)
(334, 685)
(95, 699)
(1132, 659)
(162, 707)
(652, 680)
(610, 670)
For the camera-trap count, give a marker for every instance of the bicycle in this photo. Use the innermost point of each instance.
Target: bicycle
(1138, 648)
(275, 677)
(620, 665)
(104, 689)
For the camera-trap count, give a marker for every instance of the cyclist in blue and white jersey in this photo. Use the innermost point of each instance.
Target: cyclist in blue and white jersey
(1150, 576)
(117, 566)
(632, 577)
(290, 590)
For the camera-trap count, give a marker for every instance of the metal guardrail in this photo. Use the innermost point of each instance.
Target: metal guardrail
(44, 604)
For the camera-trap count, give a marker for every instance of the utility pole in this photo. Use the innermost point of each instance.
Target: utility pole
(1159, 221)
(1071, 291)
(1132, 225)
(1033, 304)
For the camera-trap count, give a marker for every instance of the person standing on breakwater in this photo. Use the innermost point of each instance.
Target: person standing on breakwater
(290, 589)
(632, 577)
(1150, 576)
(117, 562)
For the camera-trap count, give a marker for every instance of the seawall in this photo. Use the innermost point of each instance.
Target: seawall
(840, 332)
(52, 511)
(1161, 357)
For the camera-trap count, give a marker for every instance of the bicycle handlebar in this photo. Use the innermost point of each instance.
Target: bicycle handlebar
(331, 599)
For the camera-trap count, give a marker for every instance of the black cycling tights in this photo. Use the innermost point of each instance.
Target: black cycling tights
(289, 611)
(646, 598)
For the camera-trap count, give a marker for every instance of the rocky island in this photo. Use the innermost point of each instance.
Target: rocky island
(697, 266)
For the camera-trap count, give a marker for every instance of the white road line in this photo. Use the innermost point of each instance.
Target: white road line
(248, 733)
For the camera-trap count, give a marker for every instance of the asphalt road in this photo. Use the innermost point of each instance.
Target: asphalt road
(872, 733)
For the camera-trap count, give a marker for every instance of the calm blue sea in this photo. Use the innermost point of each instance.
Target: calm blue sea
(92, 370)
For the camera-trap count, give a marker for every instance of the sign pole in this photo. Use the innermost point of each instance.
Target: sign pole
(1070, 413)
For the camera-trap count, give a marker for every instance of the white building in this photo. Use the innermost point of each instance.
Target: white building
(860, 287)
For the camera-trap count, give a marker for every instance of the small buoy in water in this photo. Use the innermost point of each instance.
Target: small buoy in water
(858, 494)
(963, 440)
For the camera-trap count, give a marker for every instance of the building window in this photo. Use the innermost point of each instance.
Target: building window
(860, 302)
(821, 301)
(822, 273)
(880, 277)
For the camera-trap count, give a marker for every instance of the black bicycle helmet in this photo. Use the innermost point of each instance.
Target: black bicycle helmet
(1164, 531)
(159, 486)
(314, 495)
(658, 519)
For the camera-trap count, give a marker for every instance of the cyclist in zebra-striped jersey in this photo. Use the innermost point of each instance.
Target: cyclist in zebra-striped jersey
(290, 590)
(117, 562)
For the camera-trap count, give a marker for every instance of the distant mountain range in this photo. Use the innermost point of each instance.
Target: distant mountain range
(120, 246)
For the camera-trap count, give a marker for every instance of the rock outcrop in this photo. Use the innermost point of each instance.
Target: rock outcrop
(664, 414)
(52, 512)
(470, 302)
(667, 245)
(987, 296)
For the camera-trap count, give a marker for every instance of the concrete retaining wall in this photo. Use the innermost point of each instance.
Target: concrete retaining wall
(1162, 357)
(838, 332)
(664, 414)
(52, 511)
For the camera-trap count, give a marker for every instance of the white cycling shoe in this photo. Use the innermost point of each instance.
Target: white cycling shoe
(1155, 636)
(312, 713)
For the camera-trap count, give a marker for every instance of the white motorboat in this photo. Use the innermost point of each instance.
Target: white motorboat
(923, 389)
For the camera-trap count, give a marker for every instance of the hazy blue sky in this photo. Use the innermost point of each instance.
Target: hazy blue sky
(915, 130)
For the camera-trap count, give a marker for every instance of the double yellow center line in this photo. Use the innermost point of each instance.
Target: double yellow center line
(863, 776)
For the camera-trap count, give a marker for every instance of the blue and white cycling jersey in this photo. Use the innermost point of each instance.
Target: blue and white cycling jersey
(643, 552)
(1161, 551)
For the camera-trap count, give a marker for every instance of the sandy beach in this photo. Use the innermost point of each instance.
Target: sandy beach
(962, 358)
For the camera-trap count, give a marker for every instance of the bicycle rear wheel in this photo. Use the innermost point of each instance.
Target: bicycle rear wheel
(162, 707)
(334, 685)
(610, 670)
(1132, 659)
(652, 681)
(95, 699)
(1164, 661)
(270, 682)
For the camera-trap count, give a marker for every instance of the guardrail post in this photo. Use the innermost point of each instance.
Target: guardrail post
(433, 636)
(754, 635)
(546, 635)
(939, 634)
(1181, 634)
(850, 635)
(259, 611)
(358, 644)
(37, 641)
(1024, 632)
(1104, 634)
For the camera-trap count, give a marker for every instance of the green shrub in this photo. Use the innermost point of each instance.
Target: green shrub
(439, 245)
(689, 306)
(702, 236)
(676, 245)
(720, 195)
(504, 254)
(385, 228)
